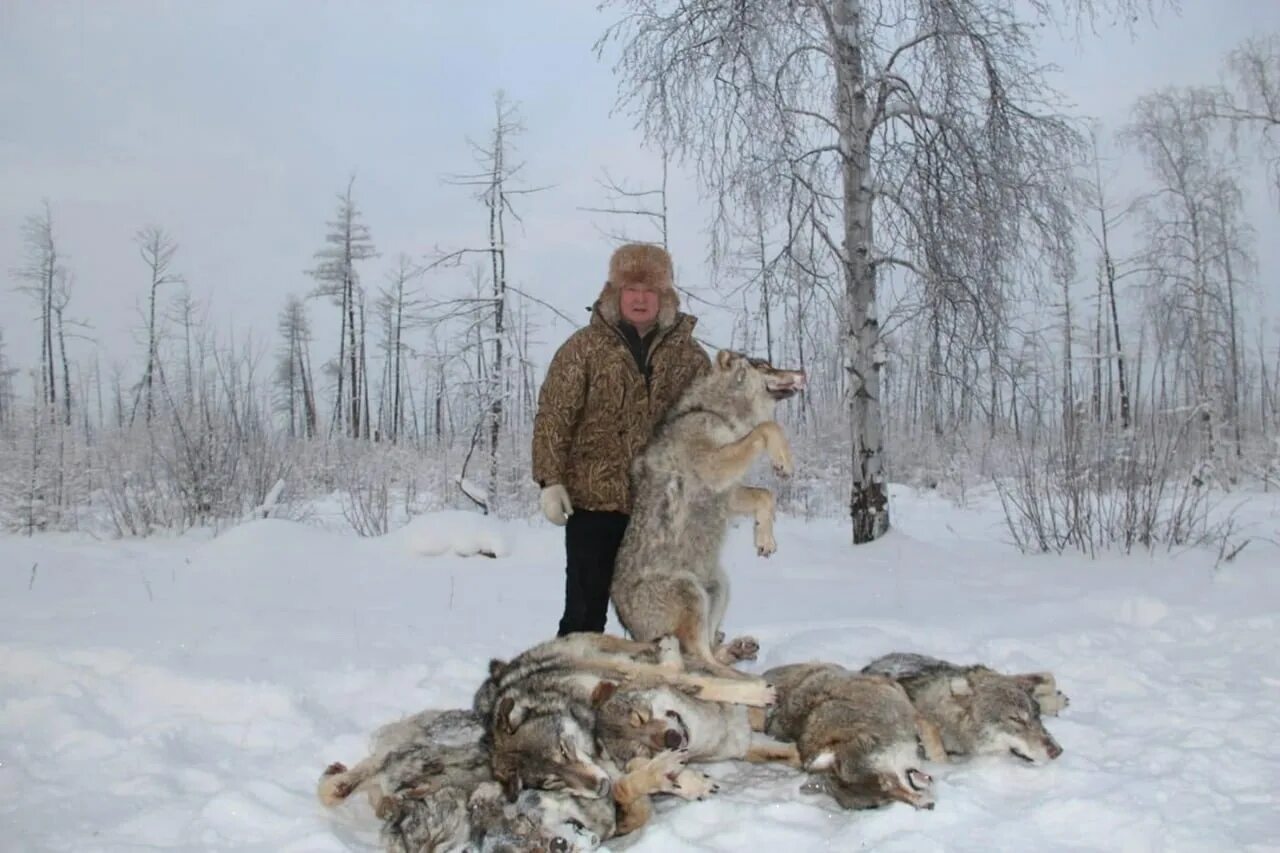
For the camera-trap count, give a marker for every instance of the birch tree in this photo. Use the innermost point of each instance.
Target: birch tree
(863, 120)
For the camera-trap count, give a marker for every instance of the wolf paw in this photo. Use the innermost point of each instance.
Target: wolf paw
(743, 648)
(765, 543)
(663, 769)
(783, 463)
(694, 785)
(756, 694)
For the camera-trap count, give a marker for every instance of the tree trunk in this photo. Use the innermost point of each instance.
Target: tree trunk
(868, 501)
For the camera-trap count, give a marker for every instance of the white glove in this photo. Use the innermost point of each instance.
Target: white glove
(555, 504)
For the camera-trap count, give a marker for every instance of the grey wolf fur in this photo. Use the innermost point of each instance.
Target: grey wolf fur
(642, 723)
(419, 778)
(542, 706)
(559, 822)
(686, 483)
(428, 779)
(859, 734)
(977, 710)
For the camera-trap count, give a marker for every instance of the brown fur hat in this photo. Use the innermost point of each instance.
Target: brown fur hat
(645, 264)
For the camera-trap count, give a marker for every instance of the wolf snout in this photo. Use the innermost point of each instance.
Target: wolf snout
(673, 739)
(1052, 748)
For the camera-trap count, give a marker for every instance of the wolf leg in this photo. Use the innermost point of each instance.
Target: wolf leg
(764, 748)
(930, 739)
(724, 466)
(717, 590)
(644, 776)
(759, 504)
(339, 782)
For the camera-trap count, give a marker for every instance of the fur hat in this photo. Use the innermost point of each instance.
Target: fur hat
(643, 264)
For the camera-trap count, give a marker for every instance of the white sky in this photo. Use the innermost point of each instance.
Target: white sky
(234, 124)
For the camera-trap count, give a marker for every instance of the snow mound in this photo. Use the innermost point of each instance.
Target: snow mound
(457, 532)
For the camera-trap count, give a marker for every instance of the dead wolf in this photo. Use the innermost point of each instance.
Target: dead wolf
(642, 723)
(668, 580)
(419, 778)
(428, 779)
(541, 707)
(859, 734)
(559, 822)
(977, 710)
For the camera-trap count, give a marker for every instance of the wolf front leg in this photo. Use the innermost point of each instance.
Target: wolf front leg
(724, 466)
(645, 776)
(759, 504)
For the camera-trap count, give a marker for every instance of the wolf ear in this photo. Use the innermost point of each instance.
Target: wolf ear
(511, 787)
(603, 692)
(960, 687)
(496, 667)
(724, 359)
(508, 715)
(1032, 680)
(824, 760)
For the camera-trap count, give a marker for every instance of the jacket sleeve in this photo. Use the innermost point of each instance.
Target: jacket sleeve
(560, 402)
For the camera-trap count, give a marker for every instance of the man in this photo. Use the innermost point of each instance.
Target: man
(606, 389)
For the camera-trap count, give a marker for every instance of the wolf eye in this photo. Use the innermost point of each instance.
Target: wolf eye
(578, 826)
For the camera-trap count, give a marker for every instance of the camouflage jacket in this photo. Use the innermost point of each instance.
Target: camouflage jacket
(595, 412)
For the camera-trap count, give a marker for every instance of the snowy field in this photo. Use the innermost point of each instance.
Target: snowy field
(184, 694)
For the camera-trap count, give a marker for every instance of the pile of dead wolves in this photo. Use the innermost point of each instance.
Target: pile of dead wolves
(566, 744)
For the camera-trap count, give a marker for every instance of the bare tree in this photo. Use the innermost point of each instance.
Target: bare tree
(295, 394)
(1194, 247)
(1109, 273)
(157, 249)
(497, 185)
(6, 386)
(399, 309)
(40, 270)
(863, 119)
(347, 242)
(648, 205)
(1253, 100)
(61, 299)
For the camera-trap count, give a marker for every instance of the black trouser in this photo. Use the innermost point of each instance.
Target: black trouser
(591, 540)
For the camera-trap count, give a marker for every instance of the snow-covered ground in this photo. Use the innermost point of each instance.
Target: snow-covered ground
(184, 694)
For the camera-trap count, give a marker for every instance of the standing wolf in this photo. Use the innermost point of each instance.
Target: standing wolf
(687, 482)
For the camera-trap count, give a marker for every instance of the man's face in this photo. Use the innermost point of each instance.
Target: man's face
(639, 305)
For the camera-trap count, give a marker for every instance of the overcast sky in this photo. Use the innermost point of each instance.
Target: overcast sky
(234, 124)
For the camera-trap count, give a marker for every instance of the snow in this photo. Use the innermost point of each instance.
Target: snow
(452, 532)
(185, 693)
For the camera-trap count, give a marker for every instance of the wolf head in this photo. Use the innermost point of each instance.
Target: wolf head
(548, 746)
(753, 384)
(1007, 716)
(541, 821)
(631, 724)
(860, 779)
(643, 265)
